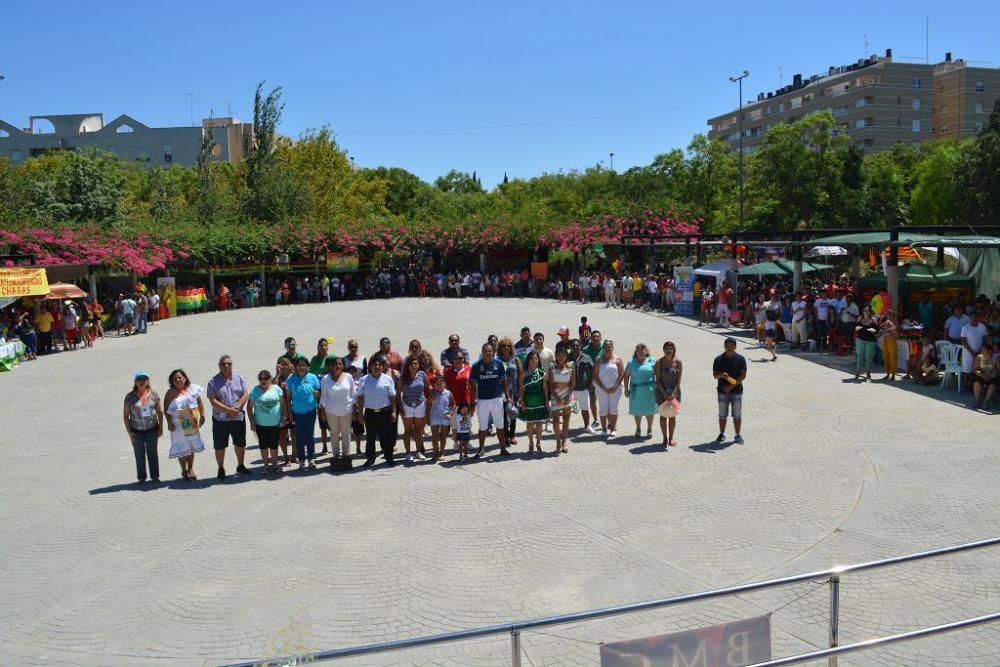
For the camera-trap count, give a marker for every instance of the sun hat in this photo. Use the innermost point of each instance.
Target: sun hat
(564, 331)
(141, 374)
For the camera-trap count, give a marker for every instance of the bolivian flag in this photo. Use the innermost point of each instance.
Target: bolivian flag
(191, 299)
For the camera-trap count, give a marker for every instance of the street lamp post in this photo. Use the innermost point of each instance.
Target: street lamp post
(611, 156)
(732, 278)
(739, 80)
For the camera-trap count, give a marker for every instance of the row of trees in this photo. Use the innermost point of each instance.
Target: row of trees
(304, 196)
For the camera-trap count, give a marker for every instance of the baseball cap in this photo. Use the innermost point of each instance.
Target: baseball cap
(564, 331)
(141, 374)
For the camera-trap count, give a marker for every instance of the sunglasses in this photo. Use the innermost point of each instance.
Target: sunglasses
(226, 363)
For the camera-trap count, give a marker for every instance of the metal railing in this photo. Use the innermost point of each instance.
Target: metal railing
(833, 577)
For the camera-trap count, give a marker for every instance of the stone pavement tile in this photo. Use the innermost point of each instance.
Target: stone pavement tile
(99, 572)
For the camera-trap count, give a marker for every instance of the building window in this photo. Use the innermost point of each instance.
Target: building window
(916, 124)
(124, 128)
(899, 101)
(916, 104)
(869, 143)
(916, 83)
(781, 107)
(979, 107)
(980, 87)
(15, 155)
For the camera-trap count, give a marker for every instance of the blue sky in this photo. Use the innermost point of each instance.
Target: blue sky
(495, 87)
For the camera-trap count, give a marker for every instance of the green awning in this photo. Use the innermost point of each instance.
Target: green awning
(960, 242)
(866, 239)
(763, 269)
(807, 267)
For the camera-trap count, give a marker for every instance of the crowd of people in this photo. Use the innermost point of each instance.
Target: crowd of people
(52, 325)
(448, 398)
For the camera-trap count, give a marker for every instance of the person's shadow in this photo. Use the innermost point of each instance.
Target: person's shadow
(711, 447)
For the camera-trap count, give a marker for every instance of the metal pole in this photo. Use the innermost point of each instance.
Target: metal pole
(834, 617)
(741, 152)
(515, 648)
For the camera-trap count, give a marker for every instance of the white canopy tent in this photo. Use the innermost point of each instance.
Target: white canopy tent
(717, 270)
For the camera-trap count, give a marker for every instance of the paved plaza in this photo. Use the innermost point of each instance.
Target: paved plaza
(99, 571)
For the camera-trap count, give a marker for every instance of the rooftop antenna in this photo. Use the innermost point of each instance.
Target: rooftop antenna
(191, 101)
(865, 54)
(229, 110)
(781, 77)
(927, 40)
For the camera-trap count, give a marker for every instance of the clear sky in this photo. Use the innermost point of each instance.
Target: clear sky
(516, 86)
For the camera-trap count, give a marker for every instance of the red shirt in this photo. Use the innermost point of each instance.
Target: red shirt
(458, 383)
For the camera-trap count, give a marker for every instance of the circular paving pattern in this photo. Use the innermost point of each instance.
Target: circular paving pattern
(98, 571)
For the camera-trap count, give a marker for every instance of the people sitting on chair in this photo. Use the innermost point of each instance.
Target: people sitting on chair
(984, 377)
(923, 368)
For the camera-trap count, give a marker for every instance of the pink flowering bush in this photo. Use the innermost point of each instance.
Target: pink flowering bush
(91, 244)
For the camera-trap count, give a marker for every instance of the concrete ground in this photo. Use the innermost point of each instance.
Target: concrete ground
(97, 570)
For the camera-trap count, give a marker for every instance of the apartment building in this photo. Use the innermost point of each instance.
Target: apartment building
(876, 101)
(126, 137)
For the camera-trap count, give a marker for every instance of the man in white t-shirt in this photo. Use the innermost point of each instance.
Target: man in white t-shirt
(154, 307)
(822, 306)
(609, 292)
(953, 325)
(799, 335)
(849, 314)
(973, 335)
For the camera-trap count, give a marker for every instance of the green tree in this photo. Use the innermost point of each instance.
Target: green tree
(712, 184)
(933, 201)
(798, 174)
(978, 174)
(459, 182)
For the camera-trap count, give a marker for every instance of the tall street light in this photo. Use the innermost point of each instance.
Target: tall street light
(732, 279)
(612, 158)
(739, 80)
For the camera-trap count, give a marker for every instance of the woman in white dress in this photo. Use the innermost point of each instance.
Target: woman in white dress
(185, 416)
(609, 374)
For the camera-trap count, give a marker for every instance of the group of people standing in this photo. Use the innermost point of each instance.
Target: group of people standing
(384, 396)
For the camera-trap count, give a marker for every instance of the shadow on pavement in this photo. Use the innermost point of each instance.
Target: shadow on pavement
(711, 447)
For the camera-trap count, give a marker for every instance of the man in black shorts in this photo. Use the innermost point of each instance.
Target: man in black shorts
(730, 370)
(228, 393)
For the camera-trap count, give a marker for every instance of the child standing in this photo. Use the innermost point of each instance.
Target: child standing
(442, 412)
(463, 431)
(584, 330)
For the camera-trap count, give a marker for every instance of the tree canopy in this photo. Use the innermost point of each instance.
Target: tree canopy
(304, 196)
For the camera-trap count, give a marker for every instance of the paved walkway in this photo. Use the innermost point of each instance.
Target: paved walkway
(97, 571)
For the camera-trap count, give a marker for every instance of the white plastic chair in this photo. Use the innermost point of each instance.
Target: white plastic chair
(940, 345)
(951, 362)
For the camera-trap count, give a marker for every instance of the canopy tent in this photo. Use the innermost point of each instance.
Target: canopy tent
(58, 291)
(916, 280)
(807, 267)
(717, 270)
(779, 267)
(762, 269)
(867, 239)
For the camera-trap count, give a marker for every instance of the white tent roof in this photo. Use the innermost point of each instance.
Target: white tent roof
(715, 269)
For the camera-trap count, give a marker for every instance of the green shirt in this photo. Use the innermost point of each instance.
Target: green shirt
(593, 351)
(317, 365)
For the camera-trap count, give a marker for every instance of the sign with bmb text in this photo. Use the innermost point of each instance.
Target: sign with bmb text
(23, 282)
(728, 645)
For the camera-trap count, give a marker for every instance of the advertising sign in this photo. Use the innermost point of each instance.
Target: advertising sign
(684, 290)
(16, 283)
(340, 263)
(728, 645)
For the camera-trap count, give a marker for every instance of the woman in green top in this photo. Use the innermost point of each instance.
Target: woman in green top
(532, 402)
(317, 366)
